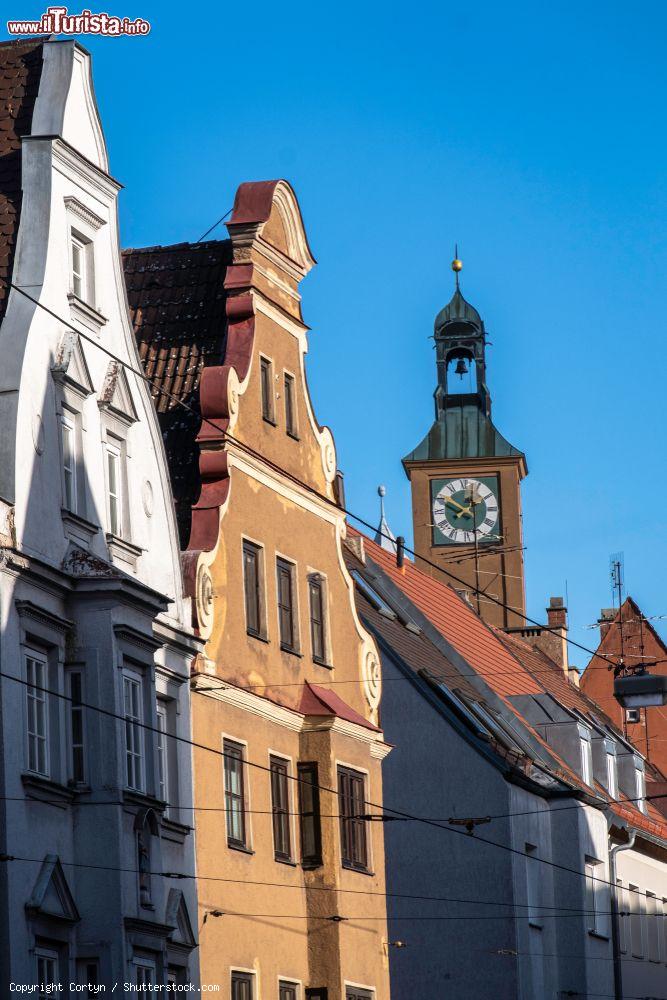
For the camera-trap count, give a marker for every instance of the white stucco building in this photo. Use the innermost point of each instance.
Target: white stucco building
(95, 637)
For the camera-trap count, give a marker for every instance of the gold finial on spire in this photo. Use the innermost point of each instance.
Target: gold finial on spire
(457, 265)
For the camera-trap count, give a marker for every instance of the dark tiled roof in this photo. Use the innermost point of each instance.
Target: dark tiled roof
(177, 305)
(20, 72)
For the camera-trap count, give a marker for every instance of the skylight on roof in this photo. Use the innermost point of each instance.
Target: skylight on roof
(372, 595)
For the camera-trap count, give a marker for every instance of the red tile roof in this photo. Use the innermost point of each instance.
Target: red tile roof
(506, 663)
(317, 700)
(177, 304)
(20, 73)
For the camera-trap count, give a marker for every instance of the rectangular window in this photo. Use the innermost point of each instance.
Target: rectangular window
(280, 806)
(290, 406)
(133, 732)
(653, 927)
(286, 611)
(38, 710)
(76, 726)
(242, 986)
(114, 490)
(288, 991)
(309, 813)
(352, 803)
(266, 375)
(586, 763)
(82, 269)
(68, 432)
(88, 975)
(162, 752)
(145, 974)
(234, 794)
(622, 909)
(640, 786)
(47, 968)
(356, 993)
(252, 576)
(317, 993)
(612, 776)
(636, 920)
(317, 615)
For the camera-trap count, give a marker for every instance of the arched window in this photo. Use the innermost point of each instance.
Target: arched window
(461, 373)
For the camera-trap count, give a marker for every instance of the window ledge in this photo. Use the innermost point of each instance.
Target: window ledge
(285, 861)
(598, 935)
(86, 314)
(322, 663)
(173, 830)
(311, 866)
(45, 789)
(357, 871)
(292, 652)
(239, 847)
(269, 420)
(77, 527)
(293, 435)
(134, 797)
(260, 638)
(123, 550)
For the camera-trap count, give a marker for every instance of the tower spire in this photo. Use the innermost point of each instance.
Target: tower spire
(457, 265)
(384, 536)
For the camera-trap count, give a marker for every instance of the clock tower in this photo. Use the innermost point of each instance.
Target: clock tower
(466, 477)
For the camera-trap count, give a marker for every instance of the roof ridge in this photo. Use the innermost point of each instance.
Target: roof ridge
(170, 248)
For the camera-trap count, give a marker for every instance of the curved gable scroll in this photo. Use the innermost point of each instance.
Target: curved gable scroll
(269, 211)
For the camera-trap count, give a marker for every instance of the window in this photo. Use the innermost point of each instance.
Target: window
(622, 909)
(145, 974)
(68, 432)
(234, 794)
(290, 406)
(162, 752)
(88, 975)
(144, 845)
(133, 731)
(612, 775)
(636, 920)
(309, 813)
(640, 786)
(242, 983)
(38, 708)
(114, 490)
(357, 993)
(81, 251)
(533, 886)
(595, 902)
(252, 575)
(288, 991)
(632, 714)
(47, 967)
(653, 927)
(352, 802)
(280, 806)
(286, 611)
(317, 993)
(317, 613)
(586, 762)
(266, 374)
(76, 724)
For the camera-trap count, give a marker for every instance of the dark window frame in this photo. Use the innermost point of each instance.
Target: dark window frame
(353, 830)
(318, 626)
(252, 589)
(288, 990)
(280, 808)
(291, 422)
(357, 993)
(266, 390)
(288, 625)
(242, 979)
(234, 751)
(309, 814)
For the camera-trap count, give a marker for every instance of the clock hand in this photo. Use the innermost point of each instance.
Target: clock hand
(462, 511)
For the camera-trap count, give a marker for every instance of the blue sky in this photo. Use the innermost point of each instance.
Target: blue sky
(531, 133)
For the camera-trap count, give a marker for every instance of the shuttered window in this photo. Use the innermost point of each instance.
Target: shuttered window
(234, 794)
(309, 813)
(281, 811)
(252, 555)
(286, 612)
(351, 794)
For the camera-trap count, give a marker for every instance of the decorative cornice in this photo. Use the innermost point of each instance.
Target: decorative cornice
(132, 636)
(84, 213)
(26, 609)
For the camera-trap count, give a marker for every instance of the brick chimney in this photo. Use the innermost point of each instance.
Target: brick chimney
(605, 621)
(552, 637)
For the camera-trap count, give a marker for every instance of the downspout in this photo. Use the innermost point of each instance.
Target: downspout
(615, 929)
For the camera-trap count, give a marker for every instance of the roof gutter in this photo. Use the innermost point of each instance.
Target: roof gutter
(615, 929)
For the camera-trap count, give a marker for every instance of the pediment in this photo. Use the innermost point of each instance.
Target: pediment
(116, 395)
(177, 916)
(70, 367)
(51, 895)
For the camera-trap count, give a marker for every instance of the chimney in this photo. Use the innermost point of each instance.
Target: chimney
(607, 616)
(557, 620)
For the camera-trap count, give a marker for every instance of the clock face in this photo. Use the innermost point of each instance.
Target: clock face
(465, 509)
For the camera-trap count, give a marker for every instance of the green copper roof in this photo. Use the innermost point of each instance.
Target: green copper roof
(463, 432)
(457, 309)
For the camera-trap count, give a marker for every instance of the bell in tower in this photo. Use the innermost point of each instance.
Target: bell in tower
(465, 476)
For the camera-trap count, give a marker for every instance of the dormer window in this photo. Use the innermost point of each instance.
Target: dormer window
(612, 775)
(640, 788)
(81, 260)
(586, 756)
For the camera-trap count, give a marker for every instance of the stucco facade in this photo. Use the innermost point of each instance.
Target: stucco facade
(95, 634)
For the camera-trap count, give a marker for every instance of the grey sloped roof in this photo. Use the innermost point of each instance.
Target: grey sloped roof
(457, 309)
(464, 432)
